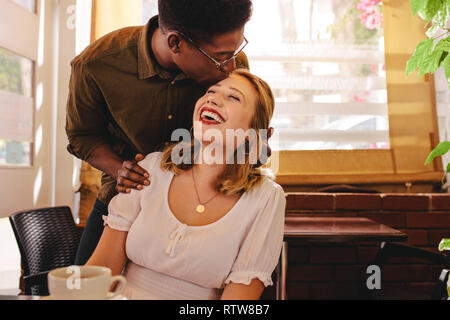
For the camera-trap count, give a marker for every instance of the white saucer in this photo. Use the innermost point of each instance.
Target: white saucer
(109, 297)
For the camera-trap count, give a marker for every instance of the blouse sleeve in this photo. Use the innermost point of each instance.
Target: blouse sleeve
(260, 250)
(124, 208)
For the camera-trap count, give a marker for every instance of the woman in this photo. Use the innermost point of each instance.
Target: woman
(206, 230)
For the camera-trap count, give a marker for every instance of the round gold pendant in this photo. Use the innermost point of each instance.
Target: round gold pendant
(200, 208)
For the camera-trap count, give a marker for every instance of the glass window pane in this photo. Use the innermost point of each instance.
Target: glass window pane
(15, 152)
(324, 60)
(149, 9)
(27, 4)
(16, 73)
(16, 109)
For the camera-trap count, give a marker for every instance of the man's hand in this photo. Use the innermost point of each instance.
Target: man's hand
(132, 176)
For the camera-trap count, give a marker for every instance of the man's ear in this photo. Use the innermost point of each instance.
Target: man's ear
(174, 40)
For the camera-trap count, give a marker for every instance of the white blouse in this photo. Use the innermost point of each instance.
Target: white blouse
(171, 260)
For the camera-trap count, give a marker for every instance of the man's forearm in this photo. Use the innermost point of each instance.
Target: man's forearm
(105, 159)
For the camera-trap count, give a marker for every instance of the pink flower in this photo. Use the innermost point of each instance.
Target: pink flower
(373, 68)
(362, 98)
(367, 5)
(373, 20)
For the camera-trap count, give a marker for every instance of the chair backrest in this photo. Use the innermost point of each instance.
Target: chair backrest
(390, 251)
(47, 238)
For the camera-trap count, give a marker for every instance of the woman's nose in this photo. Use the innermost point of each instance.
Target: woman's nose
(214, 100)
(211, 100)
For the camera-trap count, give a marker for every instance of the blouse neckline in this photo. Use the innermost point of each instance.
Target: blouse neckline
(224, 217)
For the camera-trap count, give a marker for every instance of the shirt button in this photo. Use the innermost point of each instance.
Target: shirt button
(170, 117)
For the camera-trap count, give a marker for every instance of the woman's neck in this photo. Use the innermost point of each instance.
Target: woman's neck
(207, 174)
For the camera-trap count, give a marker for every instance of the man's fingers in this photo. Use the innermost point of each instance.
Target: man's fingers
(133, 177)
(133, 166)
(129, 184)
(139, 157)
(122, 189)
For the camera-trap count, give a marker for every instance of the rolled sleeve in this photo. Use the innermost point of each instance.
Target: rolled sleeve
(261, 248)
(86, 116)
(123, 210)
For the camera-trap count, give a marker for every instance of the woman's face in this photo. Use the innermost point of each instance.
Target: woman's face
(229, 104)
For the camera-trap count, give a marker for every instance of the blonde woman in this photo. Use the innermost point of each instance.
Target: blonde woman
(201, 230)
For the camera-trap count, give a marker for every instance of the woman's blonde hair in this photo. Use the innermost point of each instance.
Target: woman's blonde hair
(236, 178)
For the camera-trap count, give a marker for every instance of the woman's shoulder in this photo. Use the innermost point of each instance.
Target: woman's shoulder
(151, 161)
(267, 189)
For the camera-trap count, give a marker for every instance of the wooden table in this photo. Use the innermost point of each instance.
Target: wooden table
(329, 230)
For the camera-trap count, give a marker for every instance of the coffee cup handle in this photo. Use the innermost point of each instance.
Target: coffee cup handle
(120, 289)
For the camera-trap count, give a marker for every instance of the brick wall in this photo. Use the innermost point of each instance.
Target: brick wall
(339, 271)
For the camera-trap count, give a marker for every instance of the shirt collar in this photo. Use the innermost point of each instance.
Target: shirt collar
(147, 65)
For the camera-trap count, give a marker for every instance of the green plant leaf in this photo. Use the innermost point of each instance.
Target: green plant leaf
(423, 49)
(440, 150)
(444, 244)
(443, 44)
(446, 64)
(443, 57)
(441, 17)
(448, 168)
(431, 62)
(430, 10)
(416, 5)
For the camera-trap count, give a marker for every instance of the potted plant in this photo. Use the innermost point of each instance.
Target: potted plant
(430, 55)
(433, 53)
(444, 245)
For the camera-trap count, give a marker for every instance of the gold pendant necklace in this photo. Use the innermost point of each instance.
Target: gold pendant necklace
(201, 206)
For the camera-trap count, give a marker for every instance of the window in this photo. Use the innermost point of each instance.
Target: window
(17, 64)
(325, 65)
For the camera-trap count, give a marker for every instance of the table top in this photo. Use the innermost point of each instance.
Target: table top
(339, 229)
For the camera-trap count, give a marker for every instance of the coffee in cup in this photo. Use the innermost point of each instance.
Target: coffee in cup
(84, 283)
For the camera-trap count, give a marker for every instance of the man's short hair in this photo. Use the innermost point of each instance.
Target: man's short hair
(203, 19)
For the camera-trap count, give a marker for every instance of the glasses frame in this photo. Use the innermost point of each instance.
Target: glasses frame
(219, 65)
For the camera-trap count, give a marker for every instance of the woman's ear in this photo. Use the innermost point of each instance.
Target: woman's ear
(174, 40)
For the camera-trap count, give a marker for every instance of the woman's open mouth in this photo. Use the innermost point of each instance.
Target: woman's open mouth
(210, 116)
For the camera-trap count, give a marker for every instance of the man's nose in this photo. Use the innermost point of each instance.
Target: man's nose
(229, 66)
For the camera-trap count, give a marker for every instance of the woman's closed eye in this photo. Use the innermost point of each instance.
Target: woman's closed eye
(235, 98)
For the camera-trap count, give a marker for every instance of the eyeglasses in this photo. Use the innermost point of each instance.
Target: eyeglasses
(219, 65)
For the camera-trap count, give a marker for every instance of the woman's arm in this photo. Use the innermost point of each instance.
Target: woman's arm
(239, 291)
(110, 251)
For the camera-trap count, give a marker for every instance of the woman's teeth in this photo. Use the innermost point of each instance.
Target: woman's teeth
(207, 115)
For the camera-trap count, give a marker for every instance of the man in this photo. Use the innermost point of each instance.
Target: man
(132, 88)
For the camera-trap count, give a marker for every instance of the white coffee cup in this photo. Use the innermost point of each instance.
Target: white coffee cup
(84, 283)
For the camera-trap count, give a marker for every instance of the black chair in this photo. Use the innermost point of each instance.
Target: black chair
(389, 251)
(47, 239)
